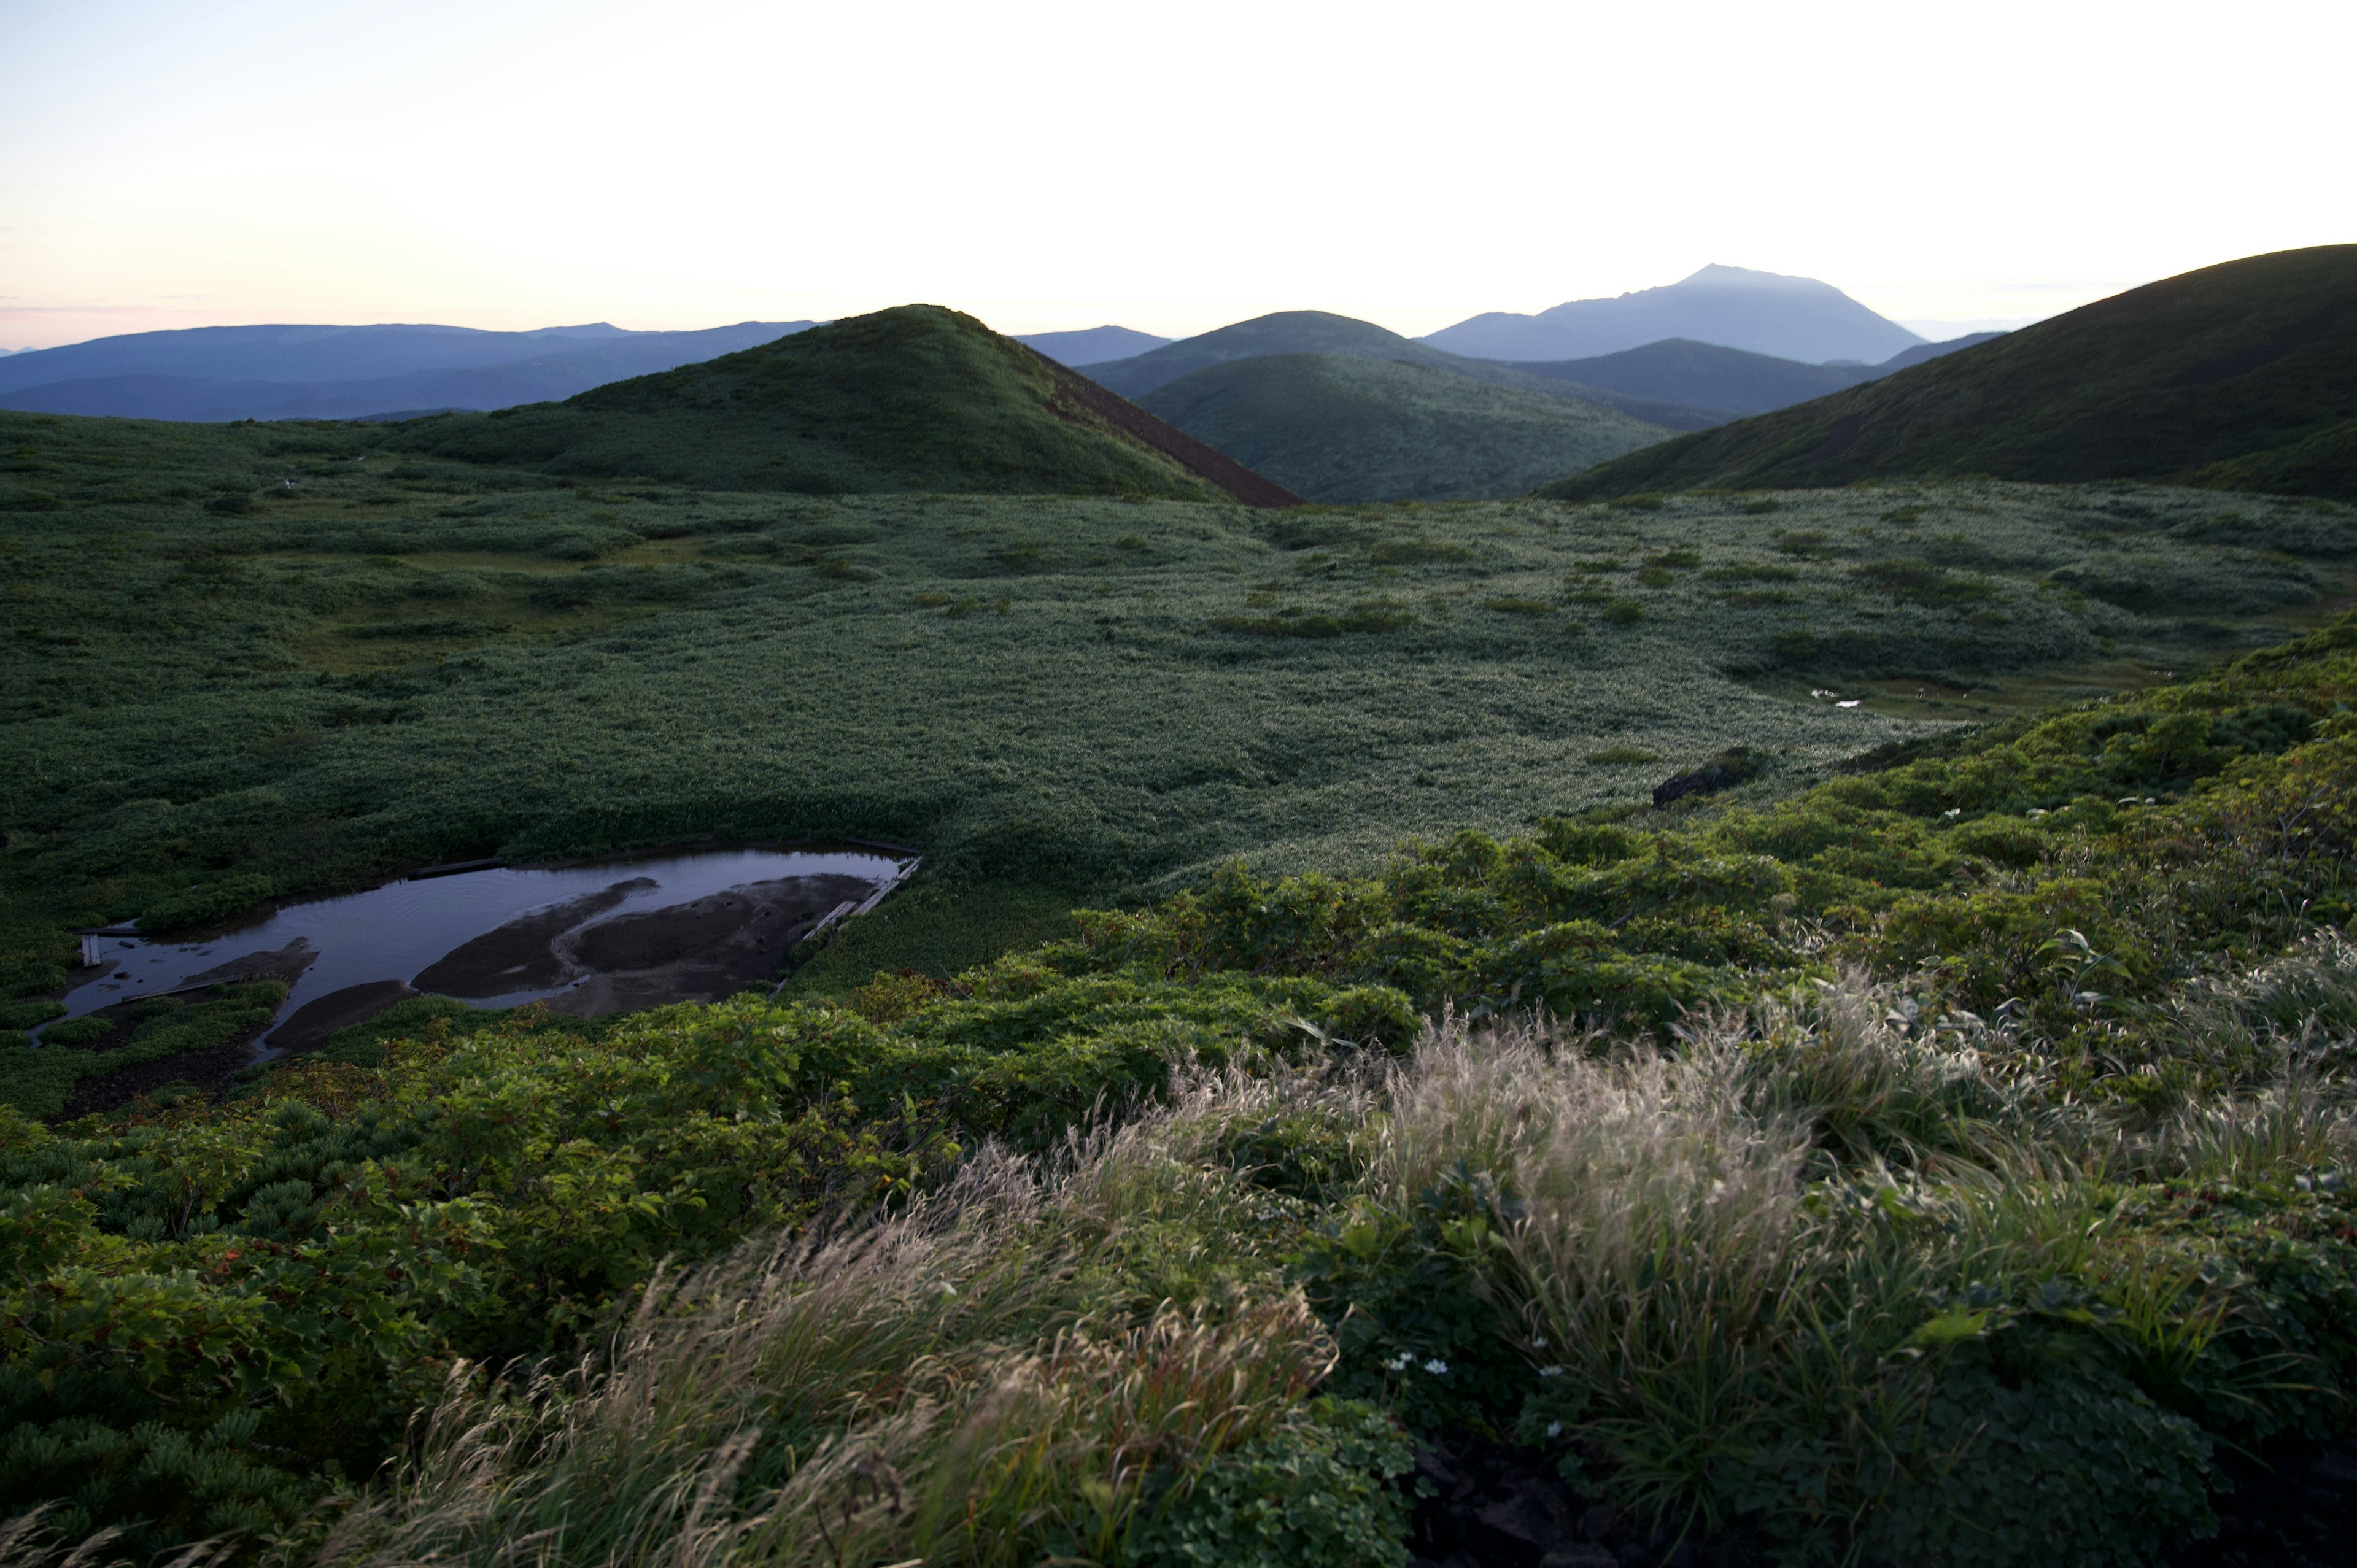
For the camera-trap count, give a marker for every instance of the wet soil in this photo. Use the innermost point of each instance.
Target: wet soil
(698, 951)
(287, 964)
(308, 1026)
(519, 956)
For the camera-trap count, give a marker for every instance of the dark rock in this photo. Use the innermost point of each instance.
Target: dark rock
(1585, 1555)
(1530, 1515)
(1701, 781)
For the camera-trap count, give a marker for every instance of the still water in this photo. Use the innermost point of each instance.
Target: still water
(396, 932)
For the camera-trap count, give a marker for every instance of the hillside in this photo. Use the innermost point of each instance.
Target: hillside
(347, 372)
(2239, 374)
(914, 398)
(1284, 332)
(1344, 429)
(1766, 313)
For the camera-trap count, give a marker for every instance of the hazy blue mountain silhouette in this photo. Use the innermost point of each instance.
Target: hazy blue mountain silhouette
(1766, 313)
(345, 372)
(1729, 382)
(1094, 345)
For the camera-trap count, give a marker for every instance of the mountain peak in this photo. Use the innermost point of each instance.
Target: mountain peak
(1735, 307)
(1718, 275)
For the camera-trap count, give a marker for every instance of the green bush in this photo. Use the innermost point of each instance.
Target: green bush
(30, 1014)
(1310, 1494)
(205, 903)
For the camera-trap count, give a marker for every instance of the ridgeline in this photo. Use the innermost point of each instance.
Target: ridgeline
(2238, 376)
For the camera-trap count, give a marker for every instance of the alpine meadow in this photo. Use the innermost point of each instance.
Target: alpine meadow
(1449, 974)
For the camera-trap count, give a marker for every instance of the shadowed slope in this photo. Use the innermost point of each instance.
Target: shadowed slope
(2233, 375)
(915, 398)
(1718, 383)
(1345, 429)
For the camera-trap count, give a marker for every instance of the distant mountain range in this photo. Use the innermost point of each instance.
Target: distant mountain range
(1718, 383)
(358, 372)
(2243, 376)
(1767, 313)
(347, 372)
(1092, 345)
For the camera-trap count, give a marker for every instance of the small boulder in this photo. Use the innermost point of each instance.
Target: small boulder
(1724, 771)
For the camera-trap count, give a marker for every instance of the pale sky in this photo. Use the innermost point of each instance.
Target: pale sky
(512, 163)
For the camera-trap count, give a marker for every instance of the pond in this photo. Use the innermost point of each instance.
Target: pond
(611, 936)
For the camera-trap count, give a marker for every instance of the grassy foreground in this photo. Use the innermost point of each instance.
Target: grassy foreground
(1945, 1165)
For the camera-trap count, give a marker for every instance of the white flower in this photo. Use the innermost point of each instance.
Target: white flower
(1437, 1369)
(1953, 811)
(1398, 1363)
(1550, 1371)
(1554, 1429)
(1538, 1341)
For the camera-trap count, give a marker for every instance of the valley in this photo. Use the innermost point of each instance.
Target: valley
(1369, 959)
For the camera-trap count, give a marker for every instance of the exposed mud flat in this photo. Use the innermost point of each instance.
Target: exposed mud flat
(701, 950)
(308, 1027)
(603, 937)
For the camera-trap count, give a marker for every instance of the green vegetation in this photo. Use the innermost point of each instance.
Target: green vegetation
(1980, 1081)
(2240, 376)
(1945, 1163)
(1343, 429)
(915, 398)
(39, 1079)
(586, 667)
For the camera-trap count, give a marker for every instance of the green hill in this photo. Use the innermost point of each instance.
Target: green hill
(1320, 332)
(2242, 375)
(1346, 429)
(914, 398)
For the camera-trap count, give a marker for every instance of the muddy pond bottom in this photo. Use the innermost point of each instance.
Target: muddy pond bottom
(609, 937)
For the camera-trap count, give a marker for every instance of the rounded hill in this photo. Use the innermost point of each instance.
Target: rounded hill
(918, 397)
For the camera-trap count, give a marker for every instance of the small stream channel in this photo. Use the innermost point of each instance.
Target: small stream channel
(610, 935)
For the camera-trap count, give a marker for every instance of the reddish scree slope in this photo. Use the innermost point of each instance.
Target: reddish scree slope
(1205, 463)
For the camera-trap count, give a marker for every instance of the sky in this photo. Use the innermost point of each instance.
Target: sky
(512, 163)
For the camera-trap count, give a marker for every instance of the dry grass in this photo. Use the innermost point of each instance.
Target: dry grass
(944, 1385)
